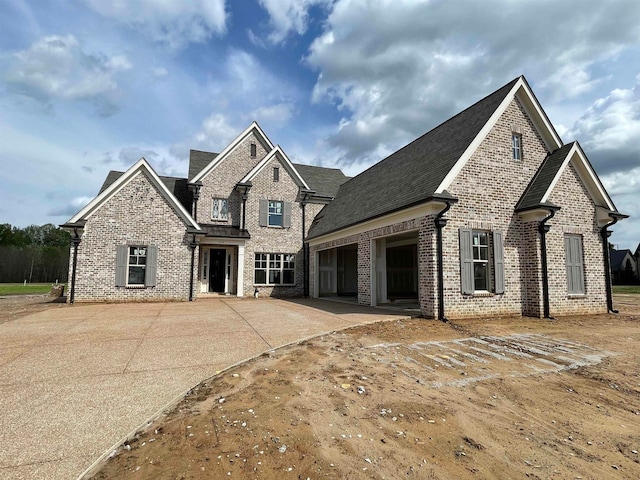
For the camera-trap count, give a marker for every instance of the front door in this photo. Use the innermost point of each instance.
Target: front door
(217, 270)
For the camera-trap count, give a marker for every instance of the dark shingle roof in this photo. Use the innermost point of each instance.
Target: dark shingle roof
(324, 181)
(198, 160)
(617, 257)
(226, 231)
(178, 186)
(412, 174)
(539, 185)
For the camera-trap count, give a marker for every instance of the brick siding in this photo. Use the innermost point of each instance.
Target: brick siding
(137, 215)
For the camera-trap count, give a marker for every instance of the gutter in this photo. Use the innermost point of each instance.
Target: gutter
(440, 223)
(543, 228)
(305, 246)
(605, 233)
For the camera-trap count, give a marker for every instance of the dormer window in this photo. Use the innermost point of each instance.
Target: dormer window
(276, 174)
(516, 146)
(254, 150)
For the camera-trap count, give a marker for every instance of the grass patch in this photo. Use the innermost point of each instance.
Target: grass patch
(21, 289)
(633, 289)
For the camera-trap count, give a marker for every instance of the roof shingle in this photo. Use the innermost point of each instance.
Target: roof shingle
(412, 174)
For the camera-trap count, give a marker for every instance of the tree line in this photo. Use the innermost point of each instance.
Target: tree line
(37, 254)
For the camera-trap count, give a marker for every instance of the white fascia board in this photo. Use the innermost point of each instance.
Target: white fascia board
(429, 208)
(587, 175)
(533, 108)
(535, 215)
(286, 162)
(135, 170)
(539, 117)
(230, 148)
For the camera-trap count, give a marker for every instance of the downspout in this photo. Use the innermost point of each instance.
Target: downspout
(196, 195)
(245, 195)
(75, 241)
(193, 244)
(440, 224)
(543, 228)
(604, 233)
(305, 247)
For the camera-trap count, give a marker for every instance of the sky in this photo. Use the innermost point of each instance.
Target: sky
(88, 86)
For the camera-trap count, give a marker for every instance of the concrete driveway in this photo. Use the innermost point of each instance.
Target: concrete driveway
(77, 379)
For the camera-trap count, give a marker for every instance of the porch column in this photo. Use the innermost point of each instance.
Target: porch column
(240, 284)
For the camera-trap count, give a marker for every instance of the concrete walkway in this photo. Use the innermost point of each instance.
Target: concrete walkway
(77, 379)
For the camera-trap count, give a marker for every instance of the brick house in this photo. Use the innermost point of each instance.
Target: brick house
(235, 226)
(488, 213)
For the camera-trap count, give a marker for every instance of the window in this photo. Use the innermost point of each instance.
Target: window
(481, 261)
(275, 213)
(136, 265)
(480, 241)
(274, 269)
(516, 146)
(575, 264)
(253, 150)
(276, 174)
(219, 211)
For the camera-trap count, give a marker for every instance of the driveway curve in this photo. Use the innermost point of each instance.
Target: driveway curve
(75, 380)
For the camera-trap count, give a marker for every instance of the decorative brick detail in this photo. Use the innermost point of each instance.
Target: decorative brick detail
(137, 215)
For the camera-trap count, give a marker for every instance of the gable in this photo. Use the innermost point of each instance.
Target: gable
(253, 129)
(178, 186)
(542, 186)
(141, 167)
(278, 155)
(519, 89)
(414, 173)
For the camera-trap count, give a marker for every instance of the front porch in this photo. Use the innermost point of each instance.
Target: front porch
(221, 262)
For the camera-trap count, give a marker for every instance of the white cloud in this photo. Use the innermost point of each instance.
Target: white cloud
(610, 129)
(397, 68)
(168, 21)
(56, 68)
(244, 91)
(160, 72)
(71, 208)
(288, 16)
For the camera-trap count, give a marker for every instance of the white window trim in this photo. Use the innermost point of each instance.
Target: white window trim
(144, 267)
(280, 215)
(487, 262)
(226, 206)
(281, 269)
(517, 149)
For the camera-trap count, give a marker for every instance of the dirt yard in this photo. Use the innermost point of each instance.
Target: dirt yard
(484, 398)
(16, 306)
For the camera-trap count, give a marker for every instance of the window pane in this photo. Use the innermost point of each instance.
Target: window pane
(480, 276)
(288, 276)
(274, 277)
(275, 260)
(136, 275)
(261, 276)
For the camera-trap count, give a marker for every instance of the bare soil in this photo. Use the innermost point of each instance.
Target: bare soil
(13, 307)
(413, 398)
(474, 399)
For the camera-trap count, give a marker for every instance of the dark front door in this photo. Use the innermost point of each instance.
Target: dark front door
(217, 270)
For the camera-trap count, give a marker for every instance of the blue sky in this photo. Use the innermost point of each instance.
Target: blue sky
(88, 86)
